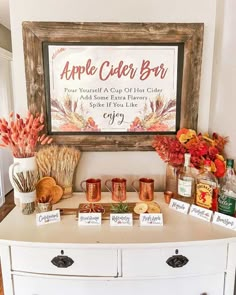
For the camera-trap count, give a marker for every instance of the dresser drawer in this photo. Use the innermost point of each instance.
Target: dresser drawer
(153, 262)
(195, 285)
(85, 262)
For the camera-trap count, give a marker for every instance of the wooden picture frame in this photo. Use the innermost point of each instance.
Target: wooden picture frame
(35, 34)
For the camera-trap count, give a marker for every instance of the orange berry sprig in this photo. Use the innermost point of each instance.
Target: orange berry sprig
(23, 135)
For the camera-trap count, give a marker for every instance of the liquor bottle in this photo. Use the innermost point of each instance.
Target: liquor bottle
(227, 196)
(229, 171)
(186, 182)
(207, 188)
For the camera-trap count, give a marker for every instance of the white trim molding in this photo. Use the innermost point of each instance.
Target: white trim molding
(5, 54)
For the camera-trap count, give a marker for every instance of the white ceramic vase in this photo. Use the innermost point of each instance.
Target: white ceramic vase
(20, 165)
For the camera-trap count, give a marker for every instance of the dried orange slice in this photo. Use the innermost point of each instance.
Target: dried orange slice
(153, 208)
(140, 208)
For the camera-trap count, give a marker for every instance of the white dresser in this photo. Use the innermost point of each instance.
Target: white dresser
(108, 260)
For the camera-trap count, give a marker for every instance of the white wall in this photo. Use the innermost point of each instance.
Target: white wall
(128, 164)
(6, 106)
(223, 101)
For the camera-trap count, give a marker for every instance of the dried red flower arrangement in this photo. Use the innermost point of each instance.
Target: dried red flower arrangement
(22, 135)
(200, 146)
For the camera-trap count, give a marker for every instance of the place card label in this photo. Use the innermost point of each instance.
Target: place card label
(48, 217)
(121, 219)
(224, 220)
(201, 213)
(151, 219)
(179, 206)
(90, 218)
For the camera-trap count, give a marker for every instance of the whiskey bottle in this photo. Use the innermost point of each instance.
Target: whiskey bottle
(186, 182)
(207, 188)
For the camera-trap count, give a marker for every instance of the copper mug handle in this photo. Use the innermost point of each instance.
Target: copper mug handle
(93, 189)
(82, 186)
(118, 188)
(146, 188)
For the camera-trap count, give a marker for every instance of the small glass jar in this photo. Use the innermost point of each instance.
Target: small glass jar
(44, 207)
(27, 201)
(172, 179)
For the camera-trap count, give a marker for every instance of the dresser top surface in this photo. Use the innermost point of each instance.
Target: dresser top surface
(177, 228)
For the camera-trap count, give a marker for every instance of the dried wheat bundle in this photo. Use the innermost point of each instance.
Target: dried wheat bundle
(44, 159)
(58, 162)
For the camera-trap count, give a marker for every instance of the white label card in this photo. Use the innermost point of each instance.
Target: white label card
(224, 220)
(121, 219)
(151, 219)
(179, 206)
(201, 213)
(90, 219)
(48, 217)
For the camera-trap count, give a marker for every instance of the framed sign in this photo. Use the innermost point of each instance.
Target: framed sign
(111, 86)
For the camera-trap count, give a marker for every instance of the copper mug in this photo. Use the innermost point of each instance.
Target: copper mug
(92, 189)
(146, 188)
(117, 188)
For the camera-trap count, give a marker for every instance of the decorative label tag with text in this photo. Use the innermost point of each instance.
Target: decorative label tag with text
(121, 219)
(90, 218)
(179, 206)
(48, 217)
(151, 219)
(201, 213)
(224, 220)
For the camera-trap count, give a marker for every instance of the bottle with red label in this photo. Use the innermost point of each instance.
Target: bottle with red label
(207, 188)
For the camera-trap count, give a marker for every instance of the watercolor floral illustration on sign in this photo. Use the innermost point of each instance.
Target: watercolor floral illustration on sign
(158, 116)
(69, 118)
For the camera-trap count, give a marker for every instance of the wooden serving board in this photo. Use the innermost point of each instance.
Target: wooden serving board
(106, 206)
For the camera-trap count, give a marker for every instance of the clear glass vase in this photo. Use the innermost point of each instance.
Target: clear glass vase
(172, 179)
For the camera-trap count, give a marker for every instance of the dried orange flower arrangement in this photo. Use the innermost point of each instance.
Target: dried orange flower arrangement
(22, 135)
(200, 146)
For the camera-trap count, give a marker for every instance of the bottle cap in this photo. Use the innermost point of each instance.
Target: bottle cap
(187, 156)
(230, 163)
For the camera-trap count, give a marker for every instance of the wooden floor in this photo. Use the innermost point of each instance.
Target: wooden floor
(4, 210)
(1, 287)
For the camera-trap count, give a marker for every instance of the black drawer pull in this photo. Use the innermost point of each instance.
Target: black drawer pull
(177, 261)
(62, 261)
